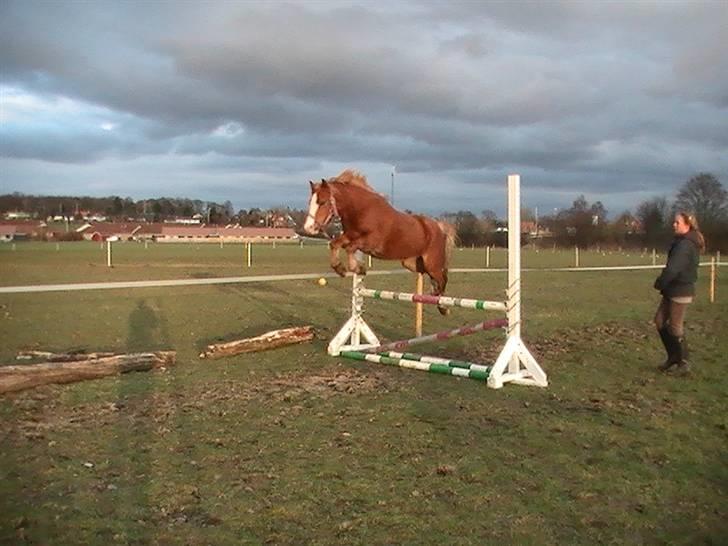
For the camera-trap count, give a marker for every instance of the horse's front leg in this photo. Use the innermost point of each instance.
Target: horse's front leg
(439, 282)
(335, 246)
(355, 265)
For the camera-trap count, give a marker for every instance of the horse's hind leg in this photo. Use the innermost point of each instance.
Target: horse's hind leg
(414, 264)
(411, 264)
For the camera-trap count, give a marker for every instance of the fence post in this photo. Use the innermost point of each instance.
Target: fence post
(712, 280)
(487, 256)
(576, 256)
(250, 254)
(108, 254)
(418, 306)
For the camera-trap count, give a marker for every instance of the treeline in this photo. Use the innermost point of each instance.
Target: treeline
(118, 209)
(587, 225)
(648, 225)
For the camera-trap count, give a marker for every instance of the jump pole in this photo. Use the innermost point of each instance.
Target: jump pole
(422, 363)
(446, 301)
(418, 305)
(515, 363)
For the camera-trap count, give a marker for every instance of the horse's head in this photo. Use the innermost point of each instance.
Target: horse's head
(321, 207)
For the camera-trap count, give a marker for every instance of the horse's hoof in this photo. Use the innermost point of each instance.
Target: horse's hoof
(444, 311)
(339, 270)
(361, 270)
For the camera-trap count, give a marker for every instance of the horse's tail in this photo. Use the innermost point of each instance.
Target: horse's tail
(450, 236)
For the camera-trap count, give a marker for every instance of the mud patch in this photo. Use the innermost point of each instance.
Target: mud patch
(42, 411)
(567, 341)
(329, 383)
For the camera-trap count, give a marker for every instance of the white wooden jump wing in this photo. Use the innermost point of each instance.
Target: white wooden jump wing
(515, 364)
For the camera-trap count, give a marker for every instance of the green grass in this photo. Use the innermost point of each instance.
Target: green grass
(72, 262)
(294, 447)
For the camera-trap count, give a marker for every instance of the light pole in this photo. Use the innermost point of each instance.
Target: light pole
(391, 194)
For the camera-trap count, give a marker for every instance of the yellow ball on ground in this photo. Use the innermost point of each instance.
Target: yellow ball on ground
(322, 281)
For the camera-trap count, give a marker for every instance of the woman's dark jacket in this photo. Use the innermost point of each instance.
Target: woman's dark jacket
(681, 271)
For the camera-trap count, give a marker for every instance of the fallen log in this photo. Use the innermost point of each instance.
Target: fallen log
(269, 340)
(61, 357)
(21, 377)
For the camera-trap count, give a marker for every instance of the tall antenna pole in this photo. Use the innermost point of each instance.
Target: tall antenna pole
(391, 194)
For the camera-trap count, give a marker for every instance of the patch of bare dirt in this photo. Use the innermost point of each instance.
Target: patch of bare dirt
(324, 385)
(568, 340)
(42, 410)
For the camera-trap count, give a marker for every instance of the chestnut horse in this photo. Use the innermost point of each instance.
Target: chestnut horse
(374, 227)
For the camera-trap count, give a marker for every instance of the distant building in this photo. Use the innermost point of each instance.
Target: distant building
(195, 220)
(17, 215)
(59, 218)
(281, 221)
(148, 232)
(531, 228)
(7, 233)
(104, 231)
(22, 229)
(213, 234)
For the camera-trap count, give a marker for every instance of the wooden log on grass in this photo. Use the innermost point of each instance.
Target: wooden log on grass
(269, 340)
(17, 378)
(61, 357)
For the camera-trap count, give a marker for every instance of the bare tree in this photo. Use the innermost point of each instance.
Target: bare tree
(704, 196)
(654, 216)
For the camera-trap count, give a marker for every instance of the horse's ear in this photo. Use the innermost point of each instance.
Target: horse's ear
(313, 186)
(324, 183)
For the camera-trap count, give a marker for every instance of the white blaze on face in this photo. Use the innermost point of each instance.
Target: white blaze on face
(309, 225)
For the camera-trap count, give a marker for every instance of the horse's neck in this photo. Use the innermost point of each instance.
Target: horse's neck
(352, 202)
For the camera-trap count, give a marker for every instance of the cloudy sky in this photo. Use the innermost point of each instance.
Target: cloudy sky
(246, 101)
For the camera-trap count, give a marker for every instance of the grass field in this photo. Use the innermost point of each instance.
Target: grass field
(294, 447)
(35, 263)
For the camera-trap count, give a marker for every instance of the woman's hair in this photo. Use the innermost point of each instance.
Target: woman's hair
(690, 219)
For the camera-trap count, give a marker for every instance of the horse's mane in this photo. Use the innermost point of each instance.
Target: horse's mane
(354, 178)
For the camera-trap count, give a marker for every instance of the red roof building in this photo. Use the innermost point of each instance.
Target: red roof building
(224, 233)
(23, 229)
(103, 231)
(7, 233)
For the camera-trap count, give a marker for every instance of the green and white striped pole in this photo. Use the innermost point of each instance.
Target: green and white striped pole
(438, 360)
(421, 365)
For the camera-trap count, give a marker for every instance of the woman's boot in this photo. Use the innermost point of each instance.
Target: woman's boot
(683, 366)
(672, 348)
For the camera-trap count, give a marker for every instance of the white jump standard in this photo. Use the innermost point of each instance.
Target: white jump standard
(515, 364)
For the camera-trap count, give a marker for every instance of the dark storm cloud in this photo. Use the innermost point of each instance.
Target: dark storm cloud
(578, 96)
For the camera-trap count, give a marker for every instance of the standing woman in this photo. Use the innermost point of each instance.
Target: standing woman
(676, 283)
